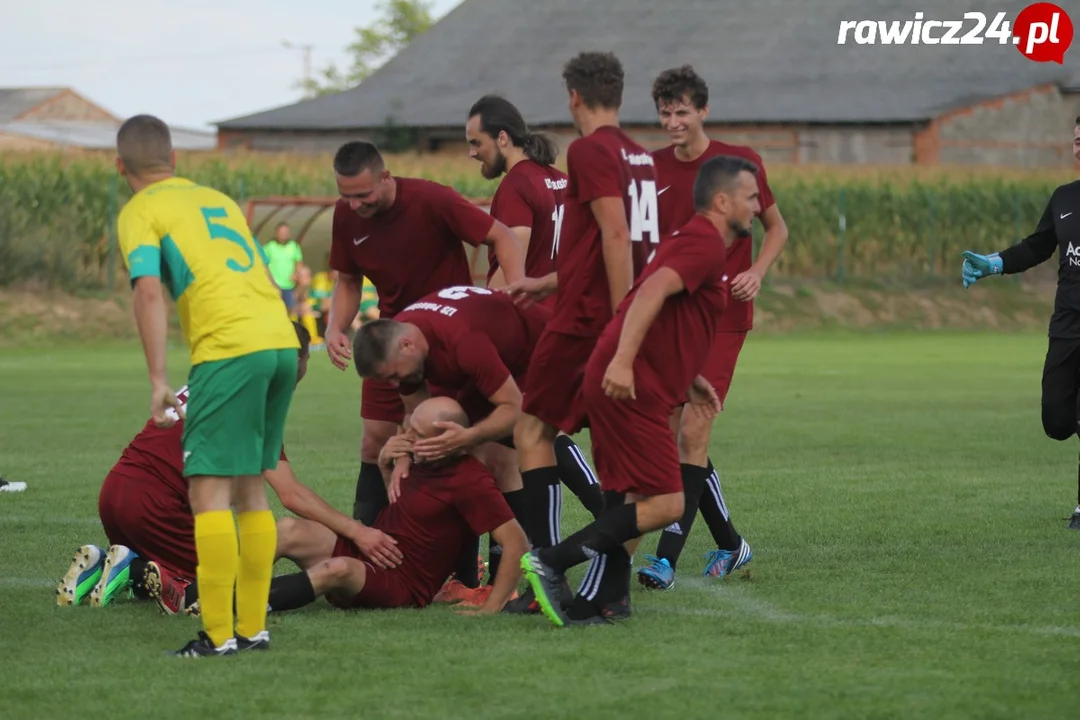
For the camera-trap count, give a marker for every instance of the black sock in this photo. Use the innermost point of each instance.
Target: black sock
(289, 592)
(518, 505)
(494, 558)
(467, 569)
(673, 538)
(371, 495)
(543, 506)
(191, 595)
(576, 474)
(715, 513)
(136, 571)
(604, 535)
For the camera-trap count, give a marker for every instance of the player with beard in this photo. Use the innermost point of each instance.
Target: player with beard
(610, 229)
(647, 363)
(405, 235)
(530, 200)
(682, 101)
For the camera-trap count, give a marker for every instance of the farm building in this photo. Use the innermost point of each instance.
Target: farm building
(45, 118)
(779, 81)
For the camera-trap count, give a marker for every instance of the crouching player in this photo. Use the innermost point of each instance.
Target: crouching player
(144, 509)
(443, 506)
(646, 363)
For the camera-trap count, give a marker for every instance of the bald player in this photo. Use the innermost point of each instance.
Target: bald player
(444, 504)
(195, 242)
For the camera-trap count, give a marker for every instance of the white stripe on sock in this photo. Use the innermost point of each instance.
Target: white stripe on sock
(590, 586)
(584, 465)
(713, 483)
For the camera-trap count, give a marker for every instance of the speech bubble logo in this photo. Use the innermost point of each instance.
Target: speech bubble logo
(1043, 32)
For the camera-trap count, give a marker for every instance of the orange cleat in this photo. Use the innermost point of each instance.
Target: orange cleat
(452, 591)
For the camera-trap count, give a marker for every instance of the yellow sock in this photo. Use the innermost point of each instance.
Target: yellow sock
(216, 546)
(308, 321)
(258, 542)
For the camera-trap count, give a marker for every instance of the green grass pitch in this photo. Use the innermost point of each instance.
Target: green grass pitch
(904, 507)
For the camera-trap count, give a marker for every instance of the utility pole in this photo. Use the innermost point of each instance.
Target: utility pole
(306, 49)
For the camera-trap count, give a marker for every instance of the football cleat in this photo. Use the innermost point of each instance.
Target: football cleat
(203, 646)
(720, 563)
(657, 575)
(453, 591)
(11, 485)
(165, 588)
(259, 642)
(82, 577)
(115, 576)
(547, 585)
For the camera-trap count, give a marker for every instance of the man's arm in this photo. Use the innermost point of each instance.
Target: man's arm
(523, 235)
(508, 251)
(344, 301)
(776, 236)
(303, 501)
(514, 544)
(646, 305)
(610, 214)
(1033, 250)
(151, 318)
(500, 423)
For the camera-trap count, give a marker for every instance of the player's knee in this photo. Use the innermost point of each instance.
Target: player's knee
(1059, 421)
(530, 431)
(338, 571)
(288, 528)
(694, 435)
(670, 507)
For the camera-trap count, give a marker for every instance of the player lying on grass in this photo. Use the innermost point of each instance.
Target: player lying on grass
(442, 507)
(147, 517)
(473, 344)
(646, 363)
(1058, 229)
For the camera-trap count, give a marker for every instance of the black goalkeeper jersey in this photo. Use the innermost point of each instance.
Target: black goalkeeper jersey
(1058, 229)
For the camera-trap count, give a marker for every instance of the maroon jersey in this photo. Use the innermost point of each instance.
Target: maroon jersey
(413, 248)
(606, 163)
(531, 195)
(439, 511)
(678, 341)
(477, 338)
(675, 179)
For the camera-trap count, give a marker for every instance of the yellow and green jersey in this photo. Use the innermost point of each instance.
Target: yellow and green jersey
(197, 241)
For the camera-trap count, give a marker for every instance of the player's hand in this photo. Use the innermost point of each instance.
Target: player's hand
(527, 291)
(703, 398)
(978, 266)
(397, 447)
(452, 439)
(401, 471)
(746, 285)
(618, 383)
(380, 547)
(161, 399)
(339, 348)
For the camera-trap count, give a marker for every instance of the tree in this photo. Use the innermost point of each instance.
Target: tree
(402, 22)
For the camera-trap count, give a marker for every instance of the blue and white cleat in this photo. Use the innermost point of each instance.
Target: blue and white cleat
(115, 576)
(657, 575)
(720, 563)
(81, 578)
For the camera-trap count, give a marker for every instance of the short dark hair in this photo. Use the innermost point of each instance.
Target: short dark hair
(144, 143)
(497, 114)
(303, 336)
(597, 77)
(373, 344)
(355, 157)
(1078, 120)
(716, 175)
(672, 86)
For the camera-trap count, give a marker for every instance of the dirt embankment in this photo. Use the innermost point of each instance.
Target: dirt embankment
(29, 316)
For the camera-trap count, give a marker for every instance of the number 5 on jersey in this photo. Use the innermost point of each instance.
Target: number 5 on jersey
(221, 232)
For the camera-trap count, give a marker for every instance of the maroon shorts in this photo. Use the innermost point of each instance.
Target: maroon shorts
(633, 446)
(383, 589)
(154, 521)
(381, 401)
(553, 384)
(720, 365)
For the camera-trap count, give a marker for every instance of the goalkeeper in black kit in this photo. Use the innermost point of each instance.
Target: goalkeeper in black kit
(1058, 229)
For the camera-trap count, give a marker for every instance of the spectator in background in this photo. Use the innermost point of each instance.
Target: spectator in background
(285, 258)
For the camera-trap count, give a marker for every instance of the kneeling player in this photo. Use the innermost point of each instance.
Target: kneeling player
(443, 506)
(645, 364)
(144, 510)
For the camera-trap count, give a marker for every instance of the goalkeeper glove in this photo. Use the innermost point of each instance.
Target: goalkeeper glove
(979, 266)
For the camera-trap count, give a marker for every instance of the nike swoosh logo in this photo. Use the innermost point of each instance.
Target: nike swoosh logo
(1066, 215)
(357, 241)
(661, 192)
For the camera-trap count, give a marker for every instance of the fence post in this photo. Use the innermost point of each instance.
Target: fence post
(840, 236)
(113, 183)
(933, 228)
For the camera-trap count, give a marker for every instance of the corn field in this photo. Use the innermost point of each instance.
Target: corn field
(57, 214)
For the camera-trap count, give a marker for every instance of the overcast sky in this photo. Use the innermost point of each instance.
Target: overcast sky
(190, 63)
